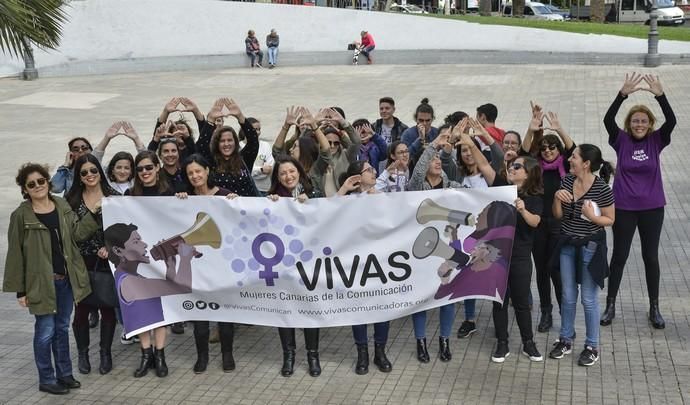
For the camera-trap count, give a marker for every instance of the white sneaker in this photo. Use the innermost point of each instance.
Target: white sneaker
(126, 341)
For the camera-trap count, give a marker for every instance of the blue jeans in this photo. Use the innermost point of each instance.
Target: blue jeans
(470, 308)
(51, 336)
(272, 55)
(590, 295)
(366, 51)
(359, 332)
(446, 315)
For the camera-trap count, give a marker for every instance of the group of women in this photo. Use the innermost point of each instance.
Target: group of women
(561, 211)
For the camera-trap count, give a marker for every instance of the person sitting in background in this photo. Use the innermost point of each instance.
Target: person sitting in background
(253, 49)
(367, 46)
(272, 42)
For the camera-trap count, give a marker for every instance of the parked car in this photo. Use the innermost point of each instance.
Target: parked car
(407, 8)
(556, 10)
(534, 11)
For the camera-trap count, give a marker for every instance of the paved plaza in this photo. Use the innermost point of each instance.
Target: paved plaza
(639, 365)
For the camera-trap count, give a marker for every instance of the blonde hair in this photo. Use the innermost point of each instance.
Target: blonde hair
(643, 109)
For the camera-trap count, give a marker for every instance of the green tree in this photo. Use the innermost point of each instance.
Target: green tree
(27, 22)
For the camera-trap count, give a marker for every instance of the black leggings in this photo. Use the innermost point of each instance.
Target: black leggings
(649, 224)
(545, 240)
(519, 281)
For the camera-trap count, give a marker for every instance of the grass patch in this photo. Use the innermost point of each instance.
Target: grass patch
(623, 30)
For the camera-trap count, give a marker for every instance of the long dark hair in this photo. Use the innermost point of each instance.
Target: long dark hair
(353, 169)
(462, 167)
(233, 164)
(303, 177)
(74, 195)
(308, 151)
(161, 181)
(201, 161)
(117, 157)
(391, 151)
(592, 154)
(534, 184)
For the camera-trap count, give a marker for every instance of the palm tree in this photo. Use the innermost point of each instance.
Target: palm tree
(26, 22)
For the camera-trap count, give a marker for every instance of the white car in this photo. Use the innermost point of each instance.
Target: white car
(535, 11)
(407, 8)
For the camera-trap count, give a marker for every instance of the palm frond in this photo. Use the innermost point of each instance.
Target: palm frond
(30, 21)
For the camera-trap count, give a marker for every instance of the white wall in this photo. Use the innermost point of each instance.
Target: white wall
(123, 29)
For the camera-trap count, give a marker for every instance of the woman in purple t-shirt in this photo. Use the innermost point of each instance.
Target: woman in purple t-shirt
(638, 188)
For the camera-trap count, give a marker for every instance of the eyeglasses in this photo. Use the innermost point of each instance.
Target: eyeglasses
(543, 148)
(82, 148)
(32, 184)
(336, 143)
(368, 169)
(85, 172)
(639, 121)
(516, 166)
(403, 152)
(147, 168)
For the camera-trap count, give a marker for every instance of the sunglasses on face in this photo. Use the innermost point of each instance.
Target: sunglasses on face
(516, 166)
(147, 168)
(32, 184)
(82, 148)
(85, 172)
(544, 148)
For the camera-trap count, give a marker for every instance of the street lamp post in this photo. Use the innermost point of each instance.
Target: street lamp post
(653, 59)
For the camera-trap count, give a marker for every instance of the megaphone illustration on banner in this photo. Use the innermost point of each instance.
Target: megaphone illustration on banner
(430, 211)
(204, 232)
(428, 243)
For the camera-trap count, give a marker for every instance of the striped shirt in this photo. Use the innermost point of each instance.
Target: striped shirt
(572, 223)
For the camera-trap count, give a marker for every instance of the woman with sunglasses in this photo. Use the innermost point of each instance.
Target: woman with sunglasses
(198, 175)
(289, 179)
(638, 189)
(429, 175)
(84, 197)
(149, 183)
(525, 173)
(585, 206)
(361, 178)
(310, 147)
(396, 175)
(220, 146)
(553, 153)
(62, 180)
(44, 267)
(344, 144)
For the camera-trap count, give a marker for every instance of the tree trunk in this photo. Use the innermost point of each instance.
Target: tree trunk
(597, 10)
(30, 72)
(518, 8)
(485, 7)
(388, 5)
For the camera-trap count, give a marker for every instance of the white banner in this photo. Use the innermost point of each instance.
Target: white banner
(327, 262)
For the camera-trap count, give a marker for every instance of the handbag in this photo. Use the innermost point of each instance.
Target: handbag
(103, 293)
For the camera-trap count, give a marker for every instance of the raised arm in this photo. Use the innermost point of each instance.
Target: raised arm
(535, 125)
(290, 120)
(555, 124)
(482, 164)
(110, 133)
(669, 117)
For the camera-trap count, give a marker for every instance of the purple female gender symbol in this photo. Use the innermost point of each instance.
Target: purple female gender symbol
(268, 274)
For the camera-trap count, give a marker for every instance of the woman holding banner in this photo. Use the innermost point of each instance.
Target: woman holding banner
(45, 269)
(289, 179)
(585, 205)
(88, 189)
(148, 182)
(198, 175)
(360, 177)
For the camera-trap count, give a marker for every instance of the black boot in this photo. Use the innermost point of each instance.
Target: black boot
(546, 320)
(380, 358)
(159, 361)
(609, 312)
(362, 366)
(201, 335)
(444, 349)
(422, 352)
(146, 362)
(314, 364)
(226, 333)
(287, 340)
(655, 316)
(107, 335)
(81, 335)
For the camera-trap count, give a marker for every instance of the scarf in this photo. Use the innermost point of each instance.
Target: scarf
(557, 164)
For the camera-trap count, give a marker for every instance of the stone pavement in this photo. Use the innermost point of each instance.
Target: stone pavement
(638, 364)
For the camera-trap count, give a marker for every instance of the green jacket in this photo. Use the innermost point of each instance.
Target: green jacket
(29, 267)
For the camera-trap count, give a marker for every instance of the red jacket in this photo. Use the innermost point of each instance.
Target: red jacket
(368, 40)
